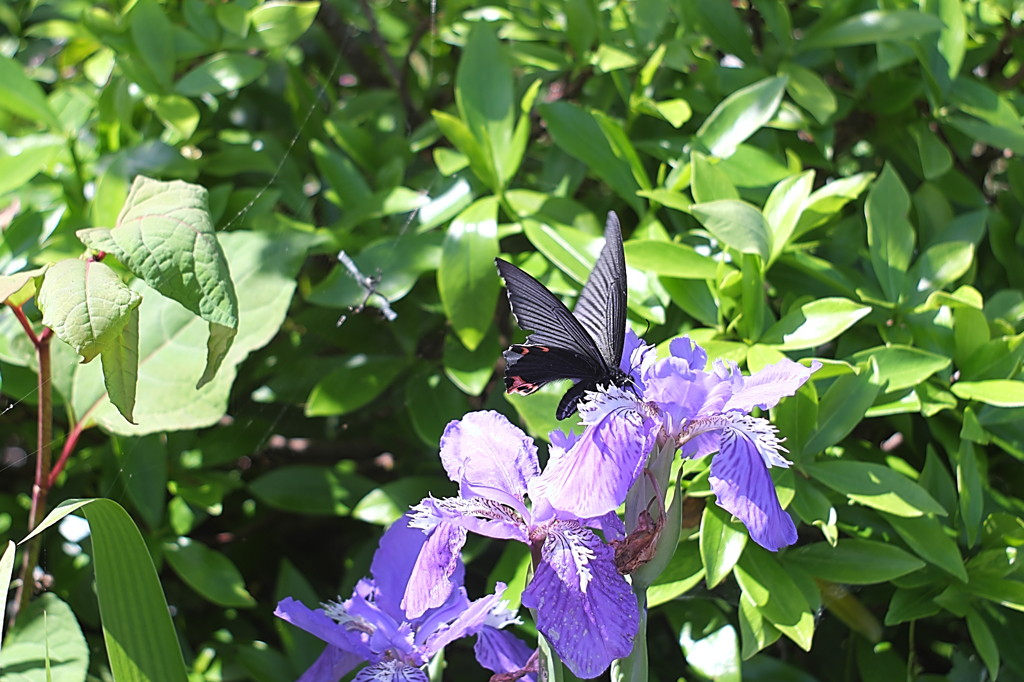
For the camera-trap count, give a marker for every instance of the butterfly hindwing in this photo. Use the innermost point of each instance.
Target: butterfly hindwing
(530, 366)
(601, 307)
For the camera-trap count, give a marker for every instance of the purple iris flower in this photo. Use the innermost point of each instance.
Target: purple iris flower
(374, 626)
(584, 608)
(705, 411)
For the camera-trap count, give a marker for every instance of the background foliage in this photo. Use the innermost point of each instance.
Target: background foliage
(839, 180)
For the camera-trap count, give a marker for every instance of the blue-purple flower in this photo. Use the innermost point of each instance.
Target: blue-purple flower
(584, 608)
(703, 412)
(375, 626)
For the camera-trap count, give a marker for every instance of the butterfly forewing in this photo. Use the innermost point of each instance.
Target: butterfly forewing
(601, 307)
(538, 311)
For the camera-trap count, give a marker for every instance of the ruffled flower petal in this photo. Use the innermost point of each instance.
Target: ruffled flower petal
(391, 671)
(476, 514)
(682, 347)
(502, 652)
(317, 623)
(490, 457)
(393, 564)
(430, 583)
(331, 665)
(469, 622)
(584, 607)
(773, 383)
(594, 476)
(743, 487)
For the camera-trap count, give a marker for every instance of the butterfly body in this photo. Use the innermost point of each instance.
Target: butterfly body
(584, 345)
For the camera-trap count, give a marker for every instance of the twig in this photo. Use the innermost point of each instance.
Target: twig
(65, 453)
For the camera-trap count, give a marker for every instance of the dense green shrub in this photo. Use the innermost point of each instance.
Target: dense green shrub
(834, 180)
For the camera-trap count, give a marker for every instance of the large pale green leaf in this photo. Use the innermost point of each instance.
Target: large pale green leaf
(165, 236)
(902, 366)
(890, 234)
(17, 169)
(737, 224)
(876, 486)
(46, 644)
(220, 73)
(721, 544)
(671, 259)
(173, 344)
(153, 36)
(280, 23)
(938, 266)
(466, 278)
(709, 181)
(716, 657)
(829, 200)
(483, 92)
(121, 367)
(740, 115)
(579, 135)
(209, 572)
(471, 371)
(142, 645)
(854, 562)
(86, 305)
(814, 323)
(873, 27)
(809, 91)
(19, 288)
(784, 207)
(6, 568)
(23, 97)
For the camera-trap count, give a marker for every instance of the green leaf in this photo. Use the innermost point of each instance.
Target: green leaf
(873, 27)
(968, 484)
(433, 402)
(1008, 592)
(902, 366)
(924, 535)
(683, 572)
(721, 544)
(153, 36)
(355, 383)
(936, 159)
(19, 288)
(953, 36)
(854, 562)
(776, 595)
(670, 259)
(1000, 137)
(784, 207)
(279, 23)
(876, 486)
(537, 410)
(622, 147)
(142, 643)
(121, 367)
(178, 114)
(996, 392)
(6, 568)
(462, 137)
(165, 236)
(736, 224)
(173, 344)
(939, 266)
(46, 644)
(466, 278)
(86, 305)
(577, 132)
(984, 642)
(890, 235)
(665, 197)
(708, 181)
(210, 573)
(912, 604)
(471, 371)
(809, 91)
(385, 505)
(843, 406)
(221, 73)
(234, 18)
(814, 324)
(29, 161)
(740, 115)
(23, 97)
(829, 200)
(310, 490)
(755, 630)
(716, 657)
(484, 95)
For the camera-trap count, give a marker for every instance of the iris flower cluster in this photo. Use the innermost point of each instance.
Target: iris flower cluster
(566, 513)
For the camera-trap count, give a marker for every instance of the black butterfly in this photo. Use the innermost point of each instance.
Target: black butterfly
(584, 345)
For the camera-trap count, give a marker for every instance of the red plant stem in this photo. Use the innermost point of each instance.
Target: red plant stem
(65, 453)
(41, 487)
